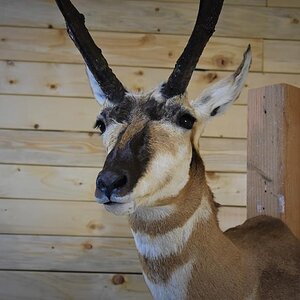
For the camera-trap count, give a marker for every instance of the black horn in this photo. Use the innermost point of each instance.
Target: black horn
(208, 15)
(94, 59)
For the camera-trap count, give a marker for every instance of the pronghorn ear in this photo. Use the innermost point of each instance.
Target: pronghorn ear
(215, 99)
(97, 91)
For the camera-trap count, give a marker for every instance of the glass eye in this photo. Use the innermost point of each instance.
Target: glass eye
(100, 125)
(186, 121)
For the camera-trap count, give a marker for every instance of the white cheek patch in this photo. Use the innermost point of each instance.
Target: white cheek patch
(111, 134)
(176, 288)
(166, 175)
(173, 241)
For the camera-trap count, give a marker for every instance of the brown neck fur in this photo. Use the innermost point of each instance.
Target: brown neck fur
(220, 270)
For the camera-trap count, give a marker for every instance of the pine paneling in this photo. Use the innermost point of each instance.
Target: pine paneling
(78, 184)
(68, 253)
(148, 50)
(75, 286)
(231, 2)
(74, 114)
(85, 150)
(153, 17)
(282, 56)
(25, 216)
(285, 3)
(56, 79)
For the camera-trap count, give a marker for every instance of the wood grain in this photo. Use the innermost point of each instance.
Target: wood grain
(151, 16)
(86, 150)
(133, 49)
(292, 158)
(274, 154)
(25, 216)
(229, 2)
(63, 253)
(79, 114)
(53, 79)
(78, 184)
(282, 56)
(286, 3)
(75, 286)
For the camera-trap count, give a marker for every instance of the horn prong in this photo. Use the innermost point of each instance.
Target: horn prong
(92, 55)
(208, 15)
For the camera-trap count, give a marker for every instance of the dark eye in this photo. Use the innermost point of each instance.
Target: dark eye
(100, 125)
(186, 121)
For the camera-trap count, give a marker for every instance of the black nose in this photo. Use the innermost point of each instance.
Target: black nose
(109, 182)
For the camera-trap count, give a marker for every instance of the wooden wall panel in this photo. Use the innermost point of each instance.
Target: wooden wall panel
(282, 56)
(70, 80)
(74, 114)
(68, 253)
(81, 149)
(152, 16)
(25, 216)
(78, 184)
(285, 3)
(231, 2)
(148, 50)
(76, 286)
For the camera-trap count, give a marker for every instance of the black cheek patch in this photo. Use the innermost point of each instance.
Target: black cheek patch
(140, 152)
(132, 159)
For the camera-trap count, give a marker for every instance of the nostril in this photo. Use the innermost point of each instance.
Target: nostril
(119, 182)
(109, 182)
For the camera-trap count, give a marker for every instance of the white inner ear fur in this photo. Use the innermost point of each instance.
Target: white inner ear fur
(216, 98)
(96, 89)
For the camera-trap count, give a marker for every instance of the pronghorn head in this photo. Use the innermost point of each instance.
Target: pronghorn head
(150, 137)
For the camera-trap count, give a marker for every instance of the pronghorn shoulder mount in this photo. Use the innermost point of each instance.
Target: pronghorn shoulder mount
(154, 174)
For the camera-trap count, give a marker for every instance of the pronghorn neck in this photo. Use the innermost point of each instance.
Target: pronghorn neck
(183, 252)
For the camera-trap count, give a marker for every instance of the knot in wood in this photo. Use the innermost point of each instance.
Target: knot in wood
(211, 77)
(118, 279)
(222, 61)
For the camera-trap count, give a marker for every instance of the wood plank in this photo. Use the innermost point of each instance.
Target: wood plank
(78, 184)
(285, 3)
(274, 154)
(149, 50)
(152, 16)
(229, 2)
(79, 218)
(86, 150)
(74, 114)
(60, 218)
(70, 79)
(75, 286)
(282, 56)
(76, 254)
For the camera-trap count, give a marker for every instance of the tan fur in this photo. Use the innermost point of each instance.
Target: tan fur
(234, 265)
(131, 130)
(158, 137)
(181, 213)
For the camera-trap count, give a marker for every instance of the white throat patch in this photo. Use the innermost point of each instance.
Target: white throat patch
(173, 241)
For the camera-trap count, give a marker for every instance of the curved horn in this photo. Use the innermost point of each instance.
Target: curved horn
(92, 55)
(208, 14)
